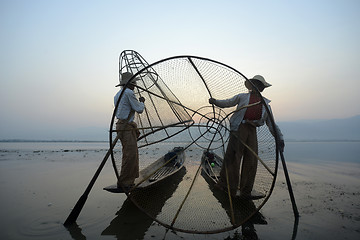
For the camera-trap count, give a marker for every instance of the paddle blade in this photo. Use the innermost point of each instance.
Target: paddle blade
(76, 211)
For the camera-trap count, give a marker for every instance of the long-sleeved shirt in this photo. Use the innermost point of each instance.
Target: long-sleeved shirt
(237, 118)
(128, 105)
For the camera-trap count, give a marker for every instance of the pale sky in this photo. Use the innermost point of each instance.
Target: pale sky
(59, 59)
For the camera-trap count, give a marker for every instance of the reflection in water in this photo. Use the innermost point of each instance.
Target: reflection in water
(131, 222)
(244, 211)
(296, 223)
(75, 232)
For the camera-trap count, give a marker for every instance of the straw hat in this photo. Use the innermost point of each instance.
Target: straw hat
(257, 78)
(125, 77)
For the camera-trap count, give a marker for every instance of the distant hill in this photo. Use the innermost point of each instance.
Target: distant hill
(328, 130)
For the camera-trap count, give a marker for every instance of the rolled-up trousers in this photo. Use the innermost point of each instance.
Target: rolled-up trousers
(237, 152)
(130, 155)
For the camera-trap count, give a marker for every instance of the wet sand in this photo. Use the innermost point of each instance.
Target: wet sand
(39, 188)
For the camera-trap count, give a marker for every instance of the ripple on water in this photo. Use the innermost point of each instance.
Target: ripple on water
(40, 228)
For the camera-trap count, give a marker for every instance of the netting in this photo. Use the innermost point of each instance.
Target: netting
(179, 128)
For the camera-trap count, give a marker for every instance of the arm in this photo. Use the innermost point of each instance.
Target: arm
(227, 102)
(136, 105)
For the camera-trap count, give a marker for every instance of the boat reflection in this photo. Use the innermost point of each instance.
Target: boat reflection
(244, 211)
(131, 222)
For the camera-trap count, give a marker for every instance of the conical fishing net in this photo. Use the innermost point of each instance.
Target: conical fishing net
(183, 141)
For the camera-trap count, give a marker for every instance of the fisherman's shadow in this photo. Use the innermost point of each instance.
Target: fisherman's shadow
(133, 223)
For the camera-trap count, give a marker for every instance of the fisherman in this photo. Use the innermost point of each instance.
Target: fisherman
(243, 125)
(127, 130)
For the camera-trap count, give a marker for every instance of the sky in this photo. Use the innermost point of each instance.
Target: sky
(59, 59)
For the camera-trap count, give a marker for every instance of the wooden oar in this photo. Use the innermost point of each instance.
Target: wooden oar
(81, 202)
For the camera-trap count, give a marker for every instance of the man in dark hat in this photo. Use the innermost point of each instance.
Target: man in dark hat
(243, 135)
(127, 130)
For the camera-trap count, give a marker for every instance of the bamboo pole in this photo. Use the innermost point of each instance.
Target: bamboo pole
(291, 193)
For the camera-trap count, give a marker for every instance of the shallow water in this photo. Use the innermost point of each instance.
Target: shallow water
(41, 182)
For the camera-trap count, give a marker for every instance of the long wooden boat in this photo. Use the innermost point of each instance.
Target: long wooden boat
(158, 171)
(211, 166)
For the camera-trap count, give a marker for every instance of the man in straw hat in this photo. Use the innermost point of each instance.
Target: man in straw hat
(243, 135)
(127, 130)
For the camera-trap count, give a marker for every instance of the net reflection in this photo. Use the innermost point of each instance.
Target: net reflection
(243, 212)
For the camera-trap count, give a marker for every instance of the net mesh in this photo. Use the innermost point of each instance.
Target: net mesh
(178, 115)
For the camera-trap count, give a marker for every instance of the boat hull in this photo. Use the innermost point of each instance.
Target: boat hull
(157, 172)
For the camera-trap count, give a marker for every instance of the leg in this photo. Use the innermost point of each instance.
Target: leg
(130, 156)
(249, 168)
(232, 160)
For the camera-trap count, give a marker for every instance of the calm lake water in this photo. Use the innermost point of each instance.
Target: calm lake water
(41, 181)
(314, 152)
(294, 151)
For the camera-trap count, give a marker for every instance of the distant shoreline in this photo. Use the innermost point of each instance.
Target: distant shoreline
(322, 140)
(104, 141)
(78, 141)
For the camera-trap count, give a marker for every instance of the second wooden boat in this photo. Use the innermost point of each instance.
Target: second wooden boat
(156, 172)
